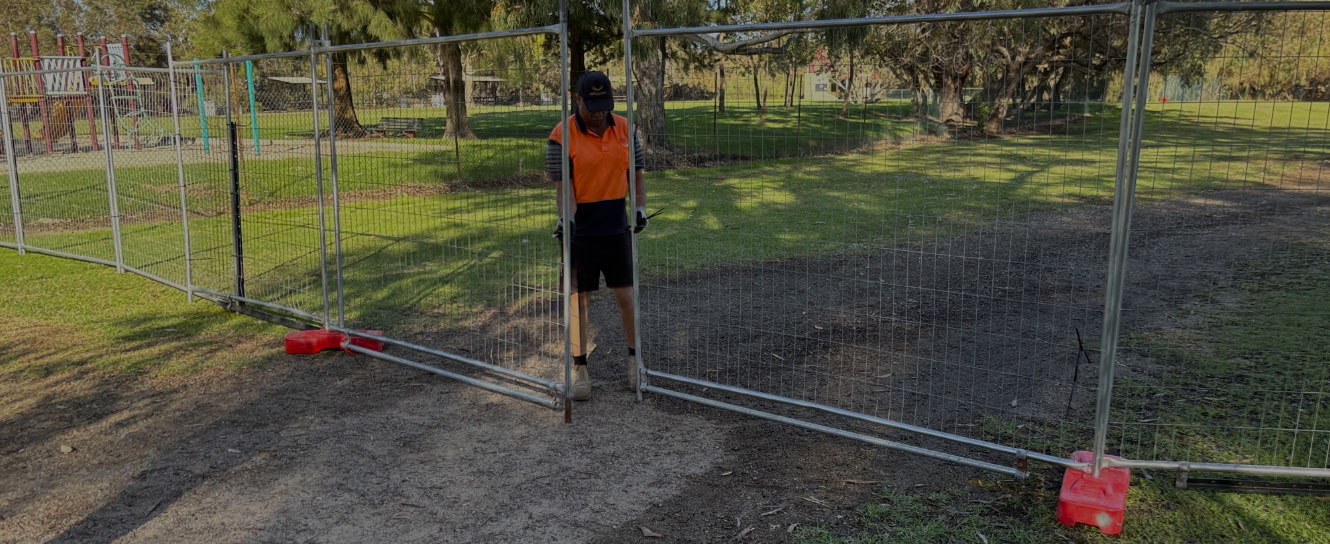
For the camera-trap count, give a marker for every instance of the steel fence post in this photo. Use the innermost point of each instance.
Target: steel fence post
(632, 188)
(1135, 81)
(111, 196)
(11, 165)
(566, 217)
(332, 166)
(318, 171)
(233, 161)
(180, 173)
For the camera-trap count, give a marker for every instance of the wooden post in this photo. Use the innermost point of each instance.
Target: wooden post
(43, 108)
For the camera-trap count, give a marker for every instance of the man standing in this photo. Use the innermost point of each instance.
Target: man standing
(601, 243)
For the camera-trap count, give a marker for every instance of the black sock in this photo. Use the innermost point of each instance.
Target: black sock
(632, 352)
(579, 360)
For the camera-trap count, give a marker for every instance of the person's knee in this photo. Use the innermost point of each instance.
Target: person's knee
(624, 297)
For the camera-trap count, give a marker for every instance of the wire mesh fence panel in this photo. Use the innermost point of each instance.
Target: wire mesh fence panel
(63, 193)
(205, 163)
(276, 146)
(146, 181)
(899, 221)
(1225, 331)
(8, 226)
(446, 209)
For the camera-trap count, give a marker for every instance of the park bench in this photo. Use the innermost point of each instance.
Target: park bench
(406, 126)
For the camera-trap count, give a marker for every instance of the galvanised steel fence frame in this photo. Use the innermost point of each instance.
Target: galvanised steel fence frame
(1135, 90)
(328, 308)
(211, 259)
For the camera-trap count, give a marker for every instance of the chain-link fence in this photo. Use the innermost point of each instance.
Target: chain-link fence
(911, 229)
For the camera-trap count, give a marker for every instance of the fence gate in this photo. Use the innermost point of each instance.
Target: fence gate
(379, 216)
(925, 270)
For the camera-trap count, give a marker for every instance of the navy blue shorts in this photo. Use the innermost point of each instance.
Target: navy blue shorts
(596, 255)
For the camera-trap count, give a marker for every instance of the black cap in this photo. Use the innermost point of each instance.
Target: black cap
(596, 93)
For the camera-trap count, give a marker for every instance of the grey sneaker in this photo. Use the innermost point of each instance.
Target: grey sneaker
(581, 383)
(633, 374)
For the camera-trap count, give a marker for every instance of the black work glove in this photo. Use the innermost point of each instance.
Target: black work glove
(641, 221)
(558, 231)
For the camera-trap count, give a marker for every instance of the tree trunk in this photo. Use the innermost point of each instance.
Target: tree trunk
(950, 88)
(849, 89)
(576, 58)
(448, 58)
(1055, 89)
(757, 94)
(651, 101)
(1013, 78)
(345, 122)
(785, 91)
(720, 85)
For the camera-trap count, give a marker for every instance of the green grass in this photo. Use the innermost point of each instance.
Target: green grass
(61, 315)
(743, 212)
(1251, 365)
(1010, 511)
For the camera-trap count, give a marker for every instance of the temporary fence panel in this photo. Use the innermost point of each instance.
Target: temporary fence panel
(274, 145)
(144, 165)
(932, 264)
(1223, 353)
(63, 196)
(10, 215)
(204, 177)
(445, 206)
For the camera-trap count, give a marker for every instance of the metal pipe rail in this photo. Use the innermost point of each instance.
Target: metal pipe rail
(838, 432)
(1018, 452)
(1192, 7)
(552, 403)
(1121, 8)
(547, 384)
(107, 69)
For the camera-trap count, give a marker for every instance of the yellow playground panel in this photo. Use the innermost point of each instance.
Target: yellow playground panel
(21, 89)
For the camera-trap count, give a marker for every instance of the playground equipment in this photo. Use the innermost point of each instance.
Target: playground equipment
(53, 98)
(56, 98)
(124, 98)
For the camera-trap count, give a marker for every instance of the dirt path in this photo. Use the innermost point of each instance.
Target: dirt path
(343, 448)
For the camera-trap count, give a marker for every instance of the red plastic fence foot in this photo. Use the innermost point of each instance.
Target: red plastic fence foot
(1094, 501)
(314, 341)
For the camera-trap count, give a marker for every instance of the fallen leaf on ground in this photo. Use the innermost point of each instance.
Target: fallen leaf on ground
(791, 528)
(648, 533)
(981, 536)
(727, 473)
(1013, 403)
(745, 532)
(770, 512)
